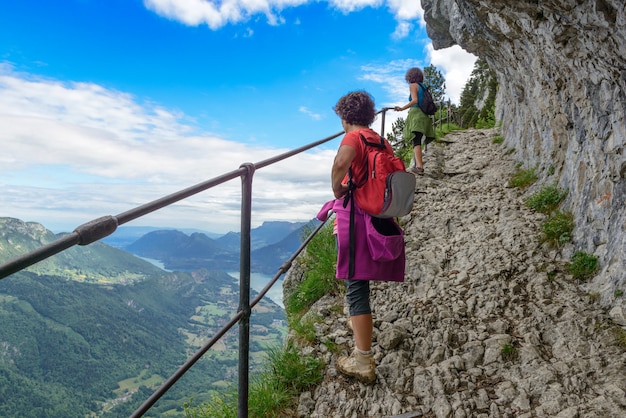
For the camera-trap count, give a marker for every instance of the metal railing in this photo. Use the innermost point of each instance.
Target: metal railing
(102, 227)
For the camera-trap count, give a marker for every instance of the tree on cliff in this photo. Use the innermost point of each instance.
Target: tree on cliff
(435, 82)
(477, 105)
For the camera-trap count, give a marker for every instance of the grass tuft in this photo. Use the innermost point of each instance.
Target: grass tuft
(557, 229)
(304, 326)
(272, 392)
(523, 178)
(509, 352)
(319, 279)
(583, 265)
(546, 200)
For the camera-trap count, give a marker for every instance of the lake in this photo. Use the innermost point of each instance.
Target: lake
(258, 281)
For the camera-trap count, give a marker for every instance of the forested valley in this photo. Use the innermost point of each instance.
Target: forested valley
(76, 342)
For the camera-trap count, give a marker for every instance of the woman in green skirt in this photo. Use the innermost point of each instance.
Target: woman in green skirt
(418, 124)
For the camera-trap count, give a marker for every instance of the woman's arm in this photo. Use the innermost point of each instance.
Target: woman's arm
(413, 87)
(342, 162)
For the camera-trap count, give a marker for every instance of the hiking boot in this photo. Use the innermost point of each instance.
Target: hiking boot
(360, 366)
(417, 170)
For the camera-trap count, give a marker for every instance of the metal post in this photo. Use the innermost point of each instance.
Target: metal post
(382, 128)
(244, 290)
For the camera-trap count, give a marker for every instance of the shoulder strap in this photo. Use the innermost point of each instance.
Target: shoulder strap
(379, 145)
(420, 93)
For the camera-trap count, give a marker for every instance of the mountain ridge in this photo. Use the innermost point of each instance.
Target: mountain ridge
(97, 329)
(272, 244)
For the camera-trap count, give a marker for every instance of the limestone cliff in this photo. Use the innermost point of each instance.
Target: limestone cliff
(561, 69)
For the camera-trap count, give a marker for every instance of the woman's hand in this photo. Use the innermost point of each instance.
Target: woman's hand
(397, 109)
(340, 191)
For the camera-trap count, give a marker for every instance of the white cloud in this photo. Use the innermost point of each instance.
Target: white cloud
(407, 10)
(308, 112)
(456, 64)
(217, 14)
(348, 6)
(402, 30)
(80, 151)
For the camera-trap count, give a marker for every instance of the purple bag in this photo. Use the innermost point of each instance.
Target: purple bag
(385, 239)
(391, 263)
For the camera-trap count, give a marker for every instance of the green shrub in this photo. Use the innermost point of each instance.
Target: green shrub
(618, 293)
(509, 352)
(557, 229)
(272, 391)
(523, 178)
(304, 327)
(583, 265)
(546, 200)
(486, 121)
(319, 262)
(444, 129)
(552, 275)
(498, 140)
(332, 346)
(294, 371)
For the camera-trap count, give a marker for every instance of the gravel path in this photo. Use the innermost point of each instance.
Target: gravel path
(487, 323)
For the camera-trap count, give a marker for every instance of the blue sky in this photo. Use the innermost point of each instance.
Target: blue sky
(109, 104)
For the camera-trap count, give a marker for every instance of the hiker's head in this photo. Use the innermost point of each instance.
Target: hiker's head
(356, 108)
(414, 75)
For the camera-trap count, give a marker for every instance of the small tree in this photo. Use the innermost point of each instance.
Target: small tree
(482, 82)
(435, 82)
(400, 148)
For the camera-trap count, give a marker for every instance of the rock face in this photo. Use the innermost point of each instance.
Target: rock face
(487, 322)
(561, 68)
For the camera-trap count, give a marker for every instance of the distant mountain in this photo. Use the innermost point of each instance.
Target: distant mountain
(178, 251)
(272, 244)
(268, 259)
(94, 330)
(268, 233)
(92, 263)
(126, 235)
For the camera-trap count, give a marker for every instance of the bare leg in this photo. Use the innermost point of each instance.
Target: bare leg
(417, 150)
(362, 328)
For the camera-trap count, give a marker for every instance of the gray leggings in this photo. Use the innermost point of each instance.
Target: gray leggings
(358, 297)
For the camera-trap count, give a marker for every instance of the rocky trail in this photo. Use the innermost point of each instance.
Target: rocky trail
(487, 322)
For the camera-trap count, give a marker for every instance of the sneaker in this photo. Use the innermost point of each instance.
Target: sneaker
(360, 366)
(417, 170)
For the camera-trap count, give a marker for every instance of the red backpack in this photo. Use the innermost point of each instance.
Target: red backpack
(387, 190)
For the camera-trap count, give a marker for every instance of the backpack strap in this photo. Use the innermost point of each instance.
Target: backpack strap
(352, 247)
(420, 93)
(352, 240)
(379, 145)
(349, 197)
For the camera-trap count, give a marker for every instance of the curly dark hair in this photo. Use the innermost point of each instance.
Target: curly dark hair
(414, 75)
(356, 108)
